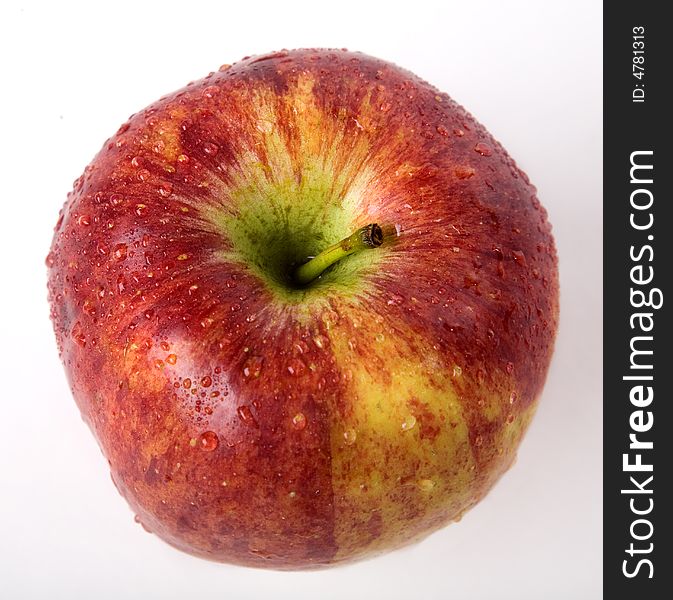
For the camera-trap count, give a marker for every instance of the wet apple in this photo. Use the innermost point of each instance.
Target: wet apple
(306, 305)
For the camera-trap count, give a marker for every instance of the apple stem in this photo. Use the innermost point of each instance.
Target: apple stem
(369, 236)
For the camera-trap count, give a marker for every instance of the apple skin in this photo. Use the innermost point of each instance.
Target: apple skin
(249, 422)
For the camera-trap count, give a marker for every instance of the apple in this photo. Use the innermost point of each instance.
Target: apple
(306, 305)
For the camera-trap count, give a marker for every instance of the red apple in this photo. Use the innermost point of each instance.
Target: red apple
(257, 416)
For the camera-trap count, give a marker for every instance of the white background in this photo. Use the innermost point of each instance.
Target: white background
(530, 71)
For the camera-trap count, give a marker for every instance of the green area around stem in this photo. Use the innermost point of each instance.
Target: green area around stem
(275, 225)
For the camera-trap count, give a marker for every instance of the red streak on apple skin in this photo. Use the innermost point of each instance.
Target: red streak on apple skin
(164, 341)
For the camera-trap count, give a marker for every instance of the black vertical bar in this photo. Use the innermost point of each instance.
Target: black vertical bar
(638, 111)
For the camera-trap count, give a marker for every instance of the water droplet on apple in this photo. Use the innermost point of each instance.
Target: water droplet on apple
(252, 367)
(121, 284)
(320, 341)
(441, 130)
(296, 367)
(211, 91)
(301, 347)
(79, 337)
(512, 398)
(137, 519)
(299, 421)
(89, 308)
(210, 149)
(166, 189)
(207, 381)
(457, 371)
(483, 149)
(50, 260)
(143, 175)
(509, 367)
(380, 337)
(330, 318)
(519, 257)
(84, 220)
(208, 441)
(395, 300)
(224, 68)
(464, 172)
(119, 252)
(187, 383)
(245, 414)
(350, 436)
(409, 423)
(171, 359)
